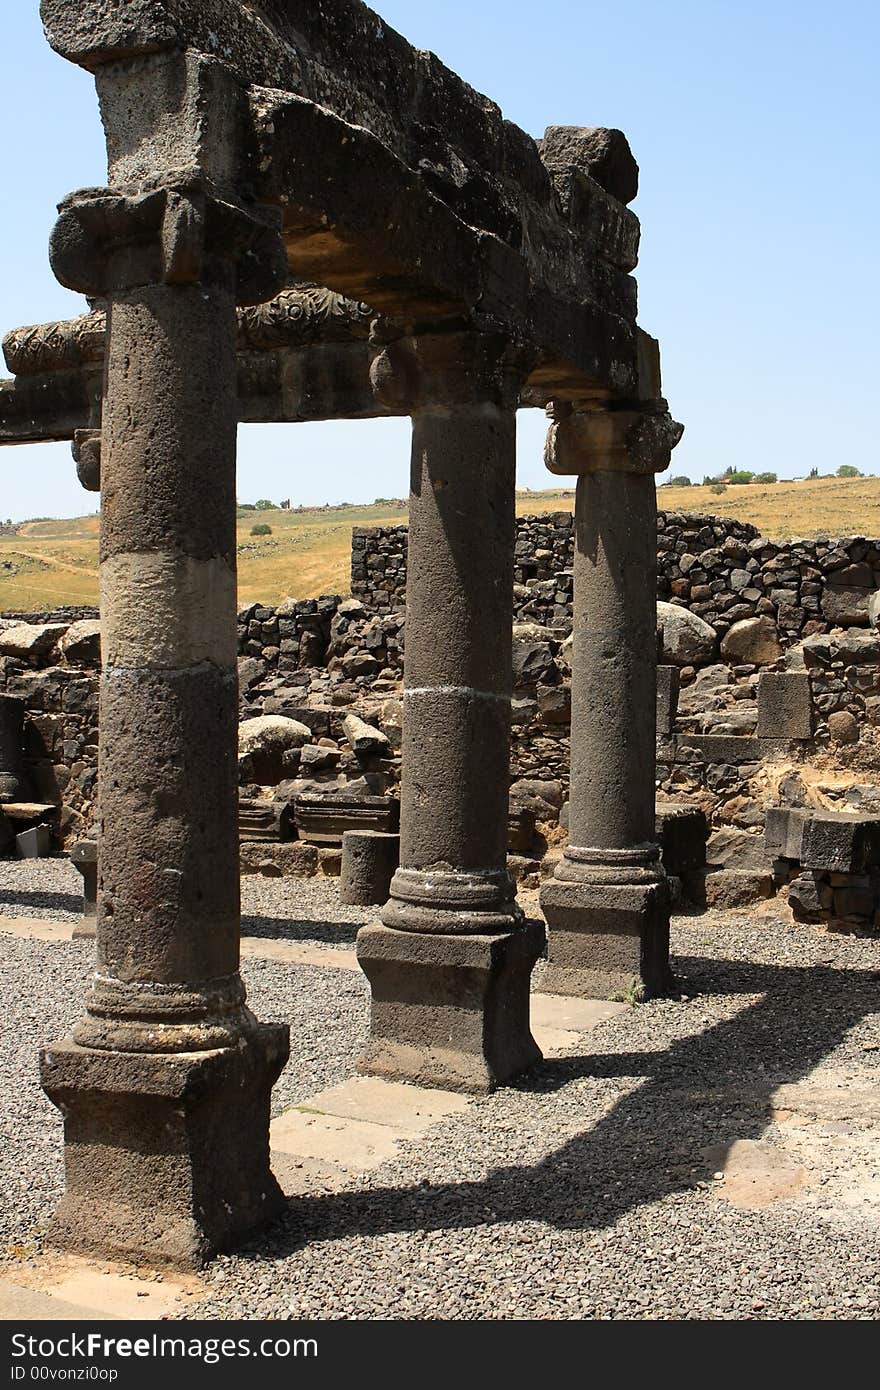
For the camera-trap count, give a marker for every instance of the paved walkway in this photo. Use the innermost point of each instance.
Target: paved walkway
(339, 1133)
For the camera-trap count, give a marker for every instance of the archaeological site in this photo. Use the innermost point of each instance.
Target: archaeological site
(549, 851)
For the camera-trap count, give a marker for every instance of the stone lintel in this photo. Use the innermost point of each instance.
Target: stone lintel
(615, 441)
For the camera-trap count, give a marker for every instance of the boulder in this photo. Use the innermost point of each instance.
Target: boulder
(843, 727)
(532, 663)
(30, 641)
(687, 640)
(846, 607)
(81, 643)
(269, 748)
(752, 641)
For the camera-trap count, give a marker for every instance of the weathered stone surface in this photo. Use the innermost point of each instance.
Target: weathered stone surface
(841, 842)
(681, 833)
(269, 745)
(736, 849)
(81, 643)
(369, 861)
(606, 941)
(784, 833)
(843, 727)
(450, 1011)
(667, 698)
(603, 153)
(754, 640)
(291, 860)
(731, 888)
(30, 641)
(364, 737)
(323, 820)
(844, 606)
(785, 705)
(686, 638)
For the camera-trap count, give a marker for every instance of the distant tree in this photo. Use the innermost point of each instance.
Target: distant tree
(246, 507)
(261, 530)
(741, 476)
(766, 478)
(848, 470)
(680, 481)
(813, 473)
(264, 505)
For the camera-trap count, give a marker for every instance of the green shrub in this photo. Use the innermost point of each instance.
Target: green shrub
(682, 481)
(261, 530)
(264, 505)
(718, 487)
(741, 476)
(848, 470)
(766, 478)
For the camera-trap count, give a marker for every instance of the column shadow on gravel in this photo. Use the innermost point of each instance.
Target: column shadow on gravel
(708, 1089)
(293, 929)
(61, 902)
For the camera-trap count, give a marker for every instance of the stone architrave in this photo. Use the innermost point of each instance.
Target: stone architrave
(607, 905)
(165, 1082)
(450, 965)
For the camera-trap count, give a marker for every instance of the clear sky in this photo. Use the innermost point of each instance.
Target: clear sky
(756, 127)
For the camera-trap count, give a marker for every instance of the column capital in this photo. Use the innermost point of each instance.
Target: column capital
(612, 441)
(420, 372)
(86, 450)
(180, 232)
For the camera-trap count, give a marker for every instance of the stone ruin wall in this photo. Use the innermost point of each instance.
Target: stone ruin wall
(736, 607)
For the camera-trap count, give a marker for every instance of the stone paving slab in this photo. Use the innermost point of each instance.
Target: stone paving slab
(388, 1103)
(297, 953)
(353, 1144)
(37, 928)
(62, 1287)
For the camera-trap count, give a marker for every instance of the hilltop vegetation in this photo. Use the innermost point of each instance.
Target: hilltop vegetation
(49, 563)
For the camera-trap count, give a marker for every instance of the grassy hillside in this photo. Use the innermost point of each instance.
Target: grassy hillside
(49, 563)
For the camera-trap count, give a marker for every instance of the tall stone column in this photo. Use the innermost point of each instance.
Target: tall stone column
(450, 966)
(607, 906)
(165, 1082)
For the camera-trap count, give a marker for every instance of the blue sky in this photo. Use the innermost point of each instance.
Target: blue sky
(756, 127)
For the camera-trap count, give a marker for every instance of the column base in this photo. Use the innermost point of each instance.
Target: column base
(450, 1011)
(607, 941)
(166, 1154)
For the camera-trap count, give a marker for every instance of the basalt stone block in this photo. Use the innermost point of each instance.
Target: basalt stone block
(607, 941)
(734, 748)
(805, 897)
(729, 888)
(785, 705)
(681, 833)
(166, 1155)
(668, 687)
(521, 823)
(450, 1011)
(323, 820)
(262, 820)
(784, 832)
(369, 862)
(834, 841)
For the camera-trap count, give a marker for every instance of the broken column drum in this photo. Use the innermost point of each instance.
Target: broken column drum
(450, 966)
(607, 905)
(11, 748)
(165, 1083)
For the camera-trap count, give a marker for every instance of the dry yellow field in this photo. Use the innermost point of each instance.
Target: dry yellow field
(49, 563)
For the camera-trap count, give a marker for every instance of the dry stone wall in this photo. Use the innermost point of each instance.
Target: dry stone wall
(769, 684)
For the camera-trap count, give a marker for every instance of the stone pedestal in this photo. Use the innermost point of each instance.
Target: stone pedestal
(607, 906)
(450, 966)
(84, 857)
(165, 1083)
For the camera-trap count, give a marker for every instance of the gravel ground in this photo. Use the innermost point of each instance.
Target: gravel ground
(588, 1190)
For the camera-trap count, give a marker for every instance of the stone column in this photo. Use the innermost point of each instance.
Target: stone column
(607, 906)
(165, 1082)
(451, 964)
